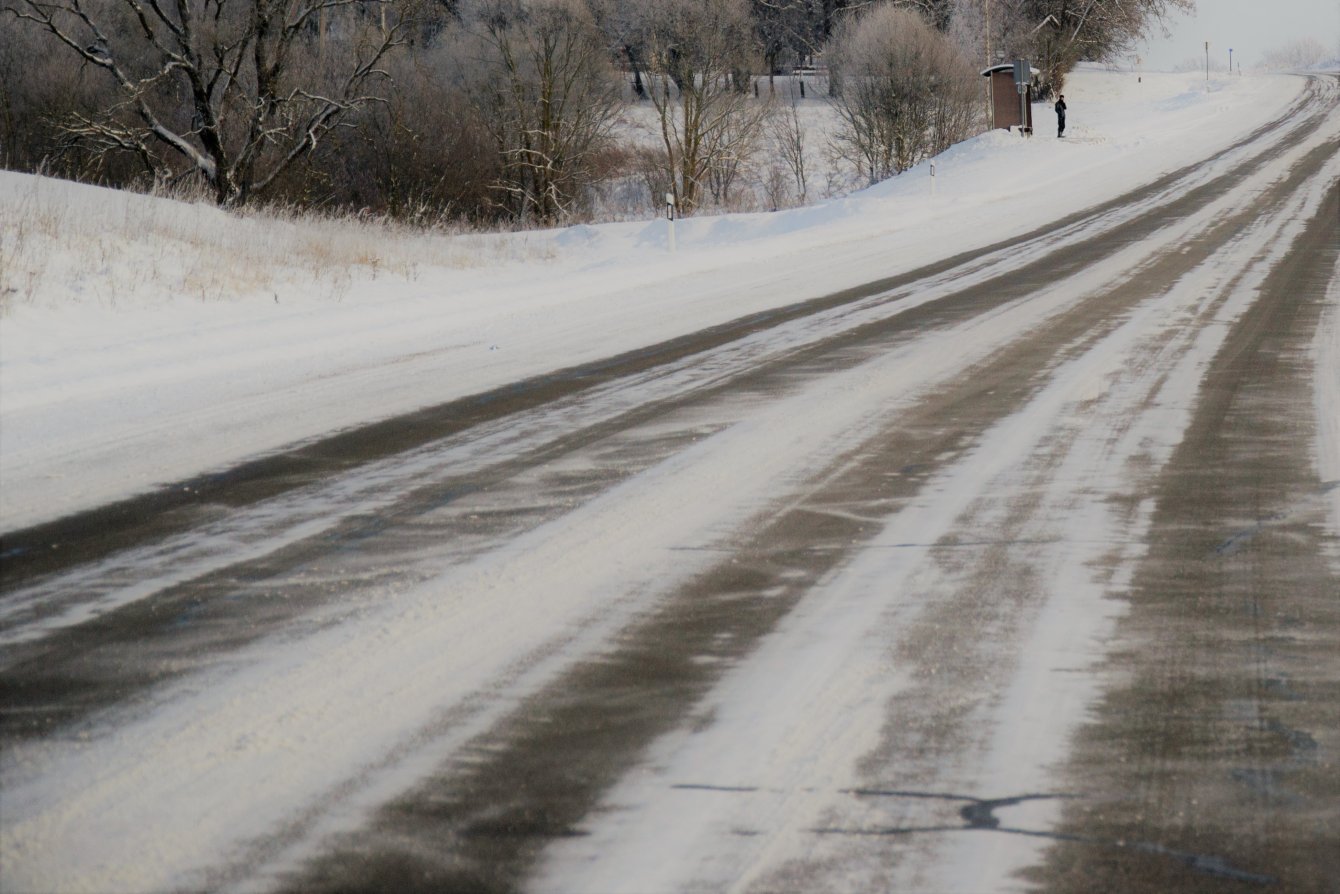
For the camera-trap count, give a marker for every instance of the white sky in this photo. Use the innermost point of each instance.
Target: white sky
(1250, 27)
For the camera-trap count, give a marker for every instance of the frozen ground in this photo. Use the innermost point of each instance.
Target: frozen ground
(145, 340)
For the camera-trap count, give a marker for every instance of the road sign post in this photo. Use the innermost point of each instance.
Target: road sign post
(1023, 74)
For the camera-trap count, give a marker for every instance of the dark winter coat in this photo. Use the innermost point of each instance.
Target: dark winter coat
(1060, 109)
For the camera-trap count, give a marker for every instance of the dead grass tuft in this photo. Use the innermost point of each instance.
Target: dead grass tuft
(63, 243)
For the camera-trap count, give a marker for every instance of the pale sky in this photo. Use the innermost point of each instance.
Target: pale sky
(1250, 27)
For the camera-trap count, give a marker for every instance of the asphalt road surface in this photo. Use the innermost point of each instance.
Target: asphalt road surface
(1018, 571)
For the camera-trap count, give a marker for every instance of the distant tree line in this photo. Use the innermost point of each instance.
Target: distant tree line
(508, 110)
(1303, 53)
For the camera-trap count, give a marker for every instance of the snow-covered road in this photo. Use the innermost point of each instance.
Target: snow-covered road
(852, 595)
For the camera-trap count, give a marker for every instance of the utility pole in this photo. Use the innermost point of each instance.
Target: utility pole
(1230, 61)
(1207, 66)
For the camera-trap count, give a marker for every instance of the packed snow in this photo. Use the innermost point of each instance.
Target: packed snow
(816, 692)
(118, 374)
(146, 340)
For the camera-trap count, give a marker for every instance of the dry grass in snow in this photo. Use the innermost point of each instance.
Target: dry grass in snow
(63, 243)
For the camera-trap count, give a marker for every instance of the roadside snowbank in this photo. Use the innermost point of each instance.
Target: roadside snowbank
(147, 340)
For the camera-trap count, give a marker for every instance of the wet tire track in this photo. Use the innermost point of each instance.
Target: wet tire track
(1220, 733)
(482, 819)
(83, 537)
(120, 655)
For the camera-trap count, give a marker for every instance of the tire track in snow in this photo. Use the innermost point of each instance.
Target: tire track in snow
(109, 652)
(804, 529)
(574, 739)
(1219, 732)
(942, 723)
(47, 548)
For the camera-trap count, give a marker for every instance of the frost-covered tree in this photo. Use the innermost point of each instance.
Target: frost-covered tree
(1303, 53)
(992, 30)
(936, 12)
(785, 32)
(698, 50)
(1056, 34)
(903, 91)
(786, 133)
(1065, 32)
(624, 24)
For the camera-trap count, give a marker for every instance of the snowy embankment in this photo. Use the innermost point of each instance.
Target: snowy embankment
(146, 340)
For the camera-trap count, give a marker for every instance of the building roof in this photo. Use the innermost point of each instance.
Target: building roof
(1008, 66)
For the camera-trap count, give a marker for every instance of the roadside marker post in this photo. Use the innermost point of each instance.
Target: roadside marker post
(932, 178)
(670, 219)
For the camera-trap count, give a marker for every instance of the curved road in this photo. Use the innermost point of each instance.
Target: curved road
(1019, 571)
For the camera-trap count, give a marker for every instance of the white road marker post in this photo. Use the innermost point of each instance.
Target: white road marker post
(932, 178)
(670, 219)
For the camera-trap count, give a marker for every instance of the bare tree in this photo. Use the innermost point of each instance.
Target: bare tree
(1065, 32)
(936, 12)
(787, 134)
(903, 91)
(784, 32)
(804, 26)
(422, 155)
(40, 86)
(232, 91)
(732, 150)
(698, 48)
(623, 22)
(545, 90)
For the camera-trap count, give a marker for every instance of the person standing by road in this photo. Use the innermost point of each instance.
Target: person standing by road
(1060, 115)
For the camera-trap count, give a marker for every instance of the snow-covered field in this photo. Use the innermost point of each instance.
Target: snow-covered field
(144, 340)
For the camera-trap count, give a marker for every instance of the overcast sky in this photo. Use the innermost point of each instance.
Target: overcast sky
(1250, 27)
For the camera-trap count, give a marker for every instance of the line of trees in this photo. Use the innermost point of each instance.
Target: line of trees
(232, 93)
(507, 109)
(1303, 53)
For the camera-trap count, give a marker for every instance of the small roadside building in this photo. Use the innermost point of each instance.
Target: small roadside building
(1009, 106)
